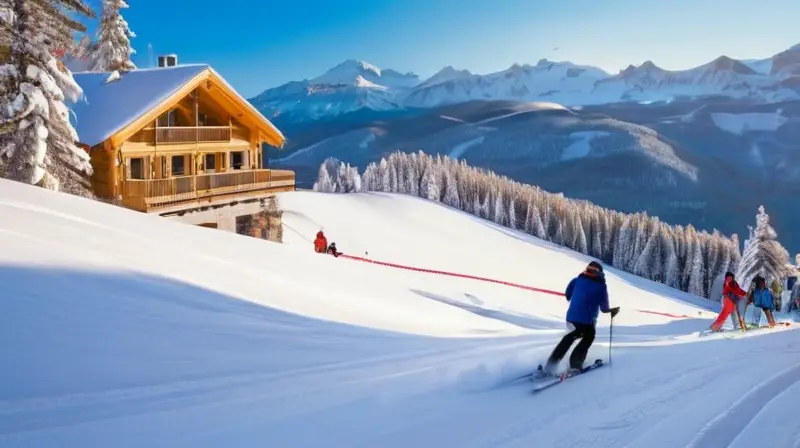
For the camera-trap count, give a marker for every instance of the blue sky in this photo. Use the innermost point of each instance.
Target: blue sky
(258, 44)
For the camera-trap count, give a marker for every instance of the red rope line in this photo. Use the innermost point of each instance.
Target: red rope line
(485, 279)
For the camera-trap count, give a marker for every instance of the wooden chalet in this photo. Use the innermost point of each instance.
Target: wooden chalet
(175, 140)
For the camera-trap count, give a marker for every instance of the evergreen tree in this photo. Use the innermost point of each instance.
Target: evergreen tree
(697, 271)
(113, 50)
(324, 184)
(763, 254)
(512, 215)
(37, 141)
(451, 195)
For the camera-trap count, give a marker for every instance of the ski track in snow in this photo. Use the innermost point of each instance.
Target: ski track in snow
(722, 431)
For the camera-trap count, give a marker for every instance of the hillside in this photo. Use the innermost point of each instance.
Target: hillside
(129, 330)
(710, 164)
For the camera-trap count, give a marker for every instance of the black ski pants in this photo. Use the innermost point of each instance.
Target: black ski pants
(583, 332)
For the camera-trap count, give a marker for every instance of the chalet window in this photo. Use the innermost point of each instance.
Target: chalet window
(168, 119)
(201, 119)
(136, 168)
(237, 160)
(209, 163)
(178, 165)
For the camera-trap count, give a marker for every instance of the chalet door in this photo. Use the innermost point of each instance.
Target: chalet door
(210, 163)
(136, 168)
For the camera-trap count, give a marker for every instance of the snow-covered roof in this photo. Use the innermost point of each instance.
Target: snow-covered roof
(108, 107)
(111, 102)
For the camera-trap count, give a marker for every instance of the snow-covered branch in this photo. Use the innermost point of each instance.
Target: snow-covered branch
(113, 48)
(37, 141)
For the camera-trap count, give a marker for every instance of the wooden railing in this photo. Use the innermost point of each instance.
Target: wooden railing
(146, 194)
(183, 134)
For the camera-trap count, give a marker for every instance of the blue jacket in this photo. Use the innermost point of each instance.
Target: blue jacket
(762, 298)
(587, 295)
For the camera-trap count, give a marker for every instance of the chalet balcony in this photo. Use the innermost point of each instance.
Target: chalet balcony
(152, 194)
(184, 134)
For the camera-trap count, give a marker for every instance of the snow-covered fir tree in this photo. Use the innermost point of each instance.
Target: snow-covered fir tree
(680, 257)
(113, 50)
(37, 141)
(763, 254)
(336, 177)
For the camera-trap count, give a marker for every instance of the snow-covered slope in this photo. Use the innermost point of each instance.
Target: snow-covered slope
(127, 330)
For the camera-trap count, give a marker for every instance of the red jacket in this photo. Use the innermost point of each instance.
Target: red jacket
(321, 243)
(732, 291)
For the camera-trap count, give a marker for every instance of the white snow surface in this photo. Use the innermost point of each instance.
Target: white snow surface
(128, 330)
(738, 124)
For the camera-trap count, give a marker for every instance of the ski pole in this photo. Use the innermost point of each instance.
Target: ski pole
(610, 337)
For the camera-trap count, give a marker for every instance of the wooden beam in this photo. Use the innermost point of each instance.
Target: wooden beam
(140, 122)
(248, 111)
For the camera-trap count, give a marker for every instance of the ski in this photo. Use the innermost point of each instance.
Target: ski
(735, 333)
(549, 381)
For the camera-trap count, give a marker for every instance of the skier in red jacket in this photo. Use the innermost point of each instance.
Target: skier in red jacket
(731, 294)
(320, 243)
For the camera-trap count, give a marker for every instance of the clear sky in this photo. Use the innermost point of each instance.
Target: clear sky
(258, 44)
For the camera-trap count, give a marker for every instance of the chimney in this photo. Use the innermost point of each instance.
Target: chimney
(168, 60)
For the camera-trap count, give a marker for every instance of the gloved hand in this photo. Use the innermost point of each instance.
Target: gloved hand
(614, 311)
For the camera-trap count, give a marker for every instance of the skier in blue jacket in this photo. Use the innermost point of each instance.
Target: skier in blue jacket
(763, 301)
(587, 295)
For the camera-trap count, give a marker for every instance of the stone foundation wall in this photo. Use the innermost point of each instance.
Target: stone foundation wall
(266, 225)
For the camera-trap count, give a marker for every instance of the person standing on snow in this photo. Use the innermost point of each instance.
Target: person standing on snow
(744, 304)
(777, 291)
(795, 297)
(763, 300)
(732, 294)
(587, 295)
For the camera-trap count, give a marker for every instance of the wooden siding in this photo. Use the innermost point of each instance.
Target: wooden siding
(104, 178)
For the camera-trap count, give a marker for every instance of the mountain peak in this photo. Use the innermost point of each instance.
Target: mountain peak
(649, 65)
(351, 64)
(446, 74)
(786, 63)
(724, 63)
(360, 73)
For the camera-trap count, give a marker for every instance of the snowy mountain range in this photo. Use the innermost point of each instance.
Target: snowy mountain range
(359, 86)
